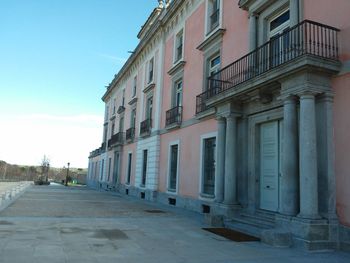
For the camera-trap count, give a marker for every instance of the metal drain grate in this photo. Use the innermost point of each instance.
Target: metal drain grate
(231, 234)
(155, 211)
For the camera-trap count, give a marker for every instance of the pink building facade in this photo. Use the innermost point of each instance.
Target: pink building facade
(237, 110)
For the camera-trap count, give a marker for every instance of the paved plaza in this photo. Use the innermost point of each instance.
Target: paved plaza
(59, 224)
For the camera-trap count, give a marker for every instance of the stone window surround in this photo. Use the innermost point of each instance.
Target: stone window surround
(179, 33)
(207, 30)
(127, 168)
(260, 16)
(175, 79)
(173, 191)
(203, 196)
(254, 123)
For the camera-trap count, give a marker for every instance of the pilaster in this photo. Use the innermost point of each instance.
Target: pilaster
(220, 167)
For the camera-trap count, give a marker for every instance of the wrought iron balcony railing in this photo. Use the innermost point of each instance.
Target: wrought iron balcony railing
(174, 116)
(306, 38)
(145, 127)
(116, 139)
(130, 134)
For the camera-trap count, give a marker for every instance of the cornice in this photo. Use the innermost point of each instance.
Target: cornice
(212, 38)
(178, 66)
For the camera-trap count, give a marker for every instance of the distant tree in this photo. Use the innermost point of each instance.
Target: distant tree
(45, 167)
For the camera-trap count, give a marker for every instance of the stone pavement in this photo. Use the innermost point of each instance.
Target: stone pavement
(59, 224)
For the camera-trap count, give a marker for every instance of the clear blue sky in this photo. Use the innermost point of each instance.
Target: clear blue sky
(56, 56)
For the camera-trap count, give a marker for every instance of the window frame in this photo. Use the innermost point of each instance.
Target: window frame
(176, 91)
(179, 35)
(204, 137)
(150, 71)
(134, 87)
(169, 168)
(144, 168)
(129, 168)
(210, 7)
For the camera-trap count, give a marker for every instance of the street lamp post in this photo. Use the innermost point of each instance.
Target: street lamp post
(67, 174)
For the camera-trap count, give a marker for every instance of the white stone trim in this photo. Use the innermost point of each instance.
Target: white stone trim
(152, 144)
(177, 32)
(207, 32)
(201, 156)
(127, 167)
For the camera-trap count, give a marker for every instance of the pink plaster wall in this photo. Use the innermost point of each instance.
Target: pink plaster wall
(341, 87)
(336, 13)
(235, 40)
(167, 84)
(189, 157)
(193, 71)
(333, 13)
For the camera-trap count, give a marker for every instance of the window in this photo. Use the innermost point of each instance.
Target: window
(209, 149)
(133, 118)
(134, 87)
(144, 168)
(106, 113)
(112, 129)
(149, 108)
(129, 168)
(121, 124)
(178, 93)
(123, 100)
(150, 70)
(178, 46)
(279, 45)
(109, 168)
(173, 167)
(214, 65)
(213, 14)
(95, 173)
(102, 167)
(114, 102)
(105, 133)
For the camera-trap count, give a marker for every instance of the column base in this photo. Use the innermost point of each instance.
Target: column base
(309, 217)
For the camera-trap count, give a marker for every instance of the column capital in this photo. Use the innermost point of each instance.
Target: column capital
(220, 119)
(327, 96)
(253, 14)
(288, 98)
(307, 95)
(232, 115)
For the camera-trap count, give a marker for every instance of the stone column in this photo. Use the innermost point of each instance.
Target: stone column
(230, 196)
(327, 100)
(294, 12)
(220, 160)
(290, 178)
(308, 158)
(252, 32)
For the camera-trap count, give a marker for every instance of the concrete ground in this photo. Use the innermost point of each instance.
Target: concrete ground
(59, 224)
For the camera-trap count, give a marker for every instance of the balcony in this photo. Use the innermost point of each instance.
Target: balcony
(146, 127)
(130, 134)
(174, 117)
(306, 44)
(103, 147)
(95, 153)
(116, 139)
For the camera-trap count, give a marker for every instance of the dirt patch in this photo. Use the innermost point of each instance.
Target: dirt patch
(111, 234)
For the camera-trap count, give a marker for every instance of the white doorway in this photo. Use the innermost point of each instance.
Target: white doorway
(270, 163)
